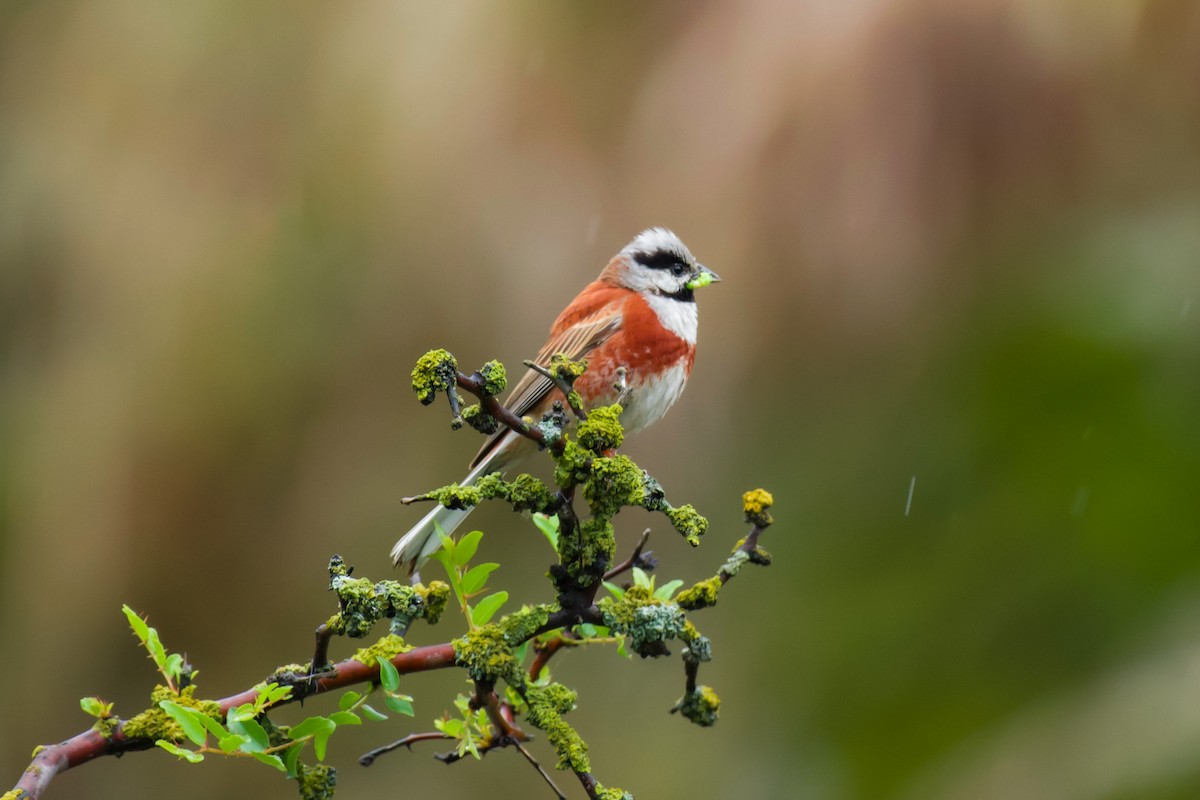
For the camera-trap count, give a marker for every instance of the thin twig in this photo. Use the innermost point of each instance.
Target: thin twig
(368, 758)
(630, 562)
(541, 771)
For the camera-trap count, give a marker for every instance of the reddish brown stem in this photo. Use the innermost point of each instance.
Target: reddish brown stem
(82, 748)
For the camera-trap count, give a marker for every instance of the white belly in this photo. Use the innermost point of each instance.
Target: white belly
(652, 399)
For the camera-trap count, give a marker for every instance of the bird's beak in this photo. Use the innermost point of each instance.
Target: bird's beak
(705, 277)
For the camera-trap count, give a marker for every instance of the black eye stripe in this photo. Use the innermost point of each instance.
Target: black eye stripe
(660, 259)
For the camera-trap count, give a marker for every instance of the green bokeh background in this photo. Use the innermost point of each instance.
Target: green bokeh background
(960, 251)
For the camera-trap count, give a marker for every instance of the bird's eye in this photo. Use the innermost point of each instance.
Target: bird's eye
(678, 268)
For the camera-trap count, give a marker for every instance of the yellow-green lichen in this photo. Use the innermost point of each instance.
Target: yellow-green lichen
(702, 595)
(106, 726)
(521, 625)
(487, 652)
(602, 431)
(495, 381)
(316, 781)
(525, 492)
(487, 655)
(436, 371)
(614, 793)
(612, 484)
(387, 647)
(37, 750)
(757, 503)
(480, 420)
(436, 595)
(701, 706)
(154, 723)
(647, 621)
(589, 552)
(547, 704)
(570, 466)
(688, 522)
(14, 794)
(566, 369)
(455, 496)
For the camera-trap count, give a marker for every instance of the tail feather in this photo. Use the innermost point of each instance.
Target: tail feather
(422, 540)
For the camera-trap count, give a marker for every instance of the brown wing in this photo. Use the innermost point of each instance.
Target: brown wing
(575, 341)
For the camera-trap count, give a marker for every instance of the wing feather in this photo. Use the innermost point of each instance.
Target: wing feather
(575, 341)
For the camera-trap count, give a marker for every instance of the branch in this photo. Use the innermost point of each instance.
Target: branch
(82, 748)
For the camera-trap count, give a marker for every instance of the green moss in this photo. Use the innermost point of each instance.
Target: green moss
(436, 595)
(316, 782)
(388, 647)
(575, 400)
(566, 369)
(688, 522)
(757, 503)
(612, 484)
(487, 655)
(647, 621)
(455, 496)
(547, 704)
(495, 381)
(701, 706)
(436, 371)
(602, 431)
(611, 794)
(570, 467)
(154, 723)
(521, 625)
(702, 595)
(588, 552)
(480, 420)
(487, 652)
(106, 726)
(525, 492)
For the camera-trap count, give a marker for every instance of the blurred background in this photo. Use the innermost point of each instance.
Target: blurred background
(958, 337)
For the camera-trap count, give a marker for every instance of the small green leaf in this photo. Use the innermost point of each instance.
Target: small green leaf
(157, 651)
(182, 752)
(271, 759)
(321, 741)
(548, 525)
(231, 742)
(400, 703)
(389, 676)
(487, 607)
(310, 726)
(665, 591)
(476, 577)
(214, 726)
(614, 590)
(95, 707)
(464, 551)
(254, 731)
(450, 727)
(273, 693)
(372, 714)
(291, 758)
(347, 700)
(640, 578)
(346, 718)
(173, 666)
(193, 728)
(139, 626)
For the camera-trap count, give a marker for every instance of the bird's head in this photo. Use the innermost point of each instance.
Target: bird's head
(656, 262)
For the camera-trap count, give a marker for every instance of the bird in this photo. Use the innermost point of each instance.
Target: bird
(640, 315)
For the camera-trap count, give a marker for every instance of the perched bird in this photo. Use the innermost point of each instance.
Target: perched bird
(639, 314)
